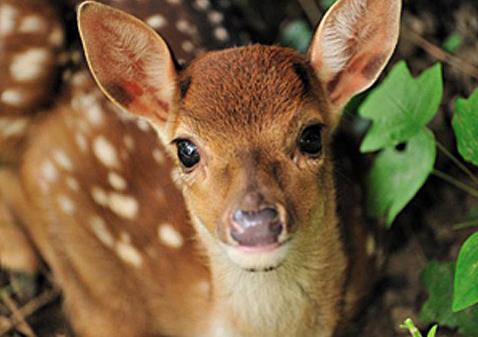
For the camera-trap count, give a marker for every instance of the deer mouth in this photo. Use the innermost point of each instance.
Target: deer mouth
(258, 258)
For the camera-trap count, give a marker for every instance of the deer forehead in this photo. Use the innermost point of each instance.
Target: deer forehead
(247, 88)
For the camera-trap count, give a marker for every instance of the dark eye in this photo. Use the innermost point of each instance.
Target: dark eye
(188, 153)
(310, 141)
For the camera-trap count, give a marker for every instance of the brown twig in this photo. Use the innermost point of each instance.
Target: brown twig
(439, 53)
(29, 309)
(17, 316)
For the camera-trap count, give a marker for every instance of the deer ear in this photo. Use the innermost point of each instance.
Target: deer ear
(130, 62)
(352, 45)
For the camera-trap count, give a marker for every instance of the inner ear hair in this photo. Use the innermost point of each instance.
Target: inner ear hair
(352, 45)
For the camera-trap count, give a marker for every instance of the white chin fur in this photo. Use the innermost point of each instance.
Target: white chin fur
(257, 260)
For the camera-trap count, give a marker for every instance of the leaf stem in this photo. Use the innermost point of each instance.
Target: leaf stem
(458, 184)
(410, 326)
(465, 225)
(457, 162)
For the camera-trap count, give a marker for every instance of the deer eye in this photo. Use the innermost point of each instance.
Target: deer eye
(310, 141)
(188, 153)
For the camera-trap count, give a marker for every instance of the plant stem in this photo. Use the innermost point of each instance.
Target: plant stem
(457, 162)
(465, 225)
(410, 326)
(439, 53)
(458, 184)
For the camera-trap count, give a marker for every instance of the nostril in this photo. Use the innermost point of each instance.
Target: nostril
(276, 228)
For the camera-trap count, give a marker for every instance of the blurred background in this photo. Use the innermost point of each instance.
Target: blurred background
(43, 33)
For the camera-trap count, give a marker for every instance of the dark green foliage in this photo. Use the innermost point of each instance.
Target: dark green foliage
(438, 280)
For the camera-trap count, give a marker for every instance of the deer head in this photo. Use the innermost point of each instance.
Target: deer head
(249, 128)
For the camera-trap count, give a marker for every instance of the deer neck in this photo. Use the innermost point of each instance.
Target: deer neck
(270, 303)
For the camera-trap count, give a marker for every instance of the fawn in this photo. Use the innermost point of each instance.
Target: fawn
(234, 230)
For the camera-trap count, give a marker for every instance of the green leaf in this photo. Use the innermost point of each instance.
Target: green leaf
(438, 280)
(297, 34)
(433, 331)
(453, 42)
(396, 175)
(401, 106)
(410, 326)
(465, 125)
(466, 275)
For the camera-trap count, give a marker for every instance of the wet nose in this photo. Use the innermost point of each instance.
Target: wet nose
(256, 228)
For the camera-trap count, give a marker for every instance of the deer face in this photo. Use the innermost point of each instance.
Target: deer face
(251, 141)
(249, 127)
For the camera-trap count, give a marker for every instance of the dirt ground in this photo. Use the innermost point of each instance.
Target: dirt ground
(423, 232)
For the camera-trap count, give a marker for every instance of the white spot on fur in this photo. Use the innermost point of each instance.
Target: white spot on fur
(129, 142)
(183, 26)
(12, 127)
(157, 21)
(32, 24)
(143, 125)
(98, 226)
(173, 2)
(80, 78)
(94, 113)
(187, 46)
(129, 254)
(158, 156)
(338, 33)
(99, 196)
(81, 142)
(221, 34)
(48, 171)
(215, 17)
(8, 17)
(72, 183)
(203, 4)
(56, 37)
(63, 160)
(13, 97)
(123, 205)
(66, 205)
(169, 236)
(176, 177)
(117, 181)
(105, 152)
(29, 65)
(187, 27)
(90, 104)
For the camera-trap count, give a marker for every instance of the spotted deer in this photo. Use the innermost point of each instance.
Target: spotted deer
(31, 38)
(221, 220)
(32, 51)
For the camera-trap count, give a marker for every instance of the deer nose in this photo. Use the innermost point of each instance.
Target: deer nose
(256, 228)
